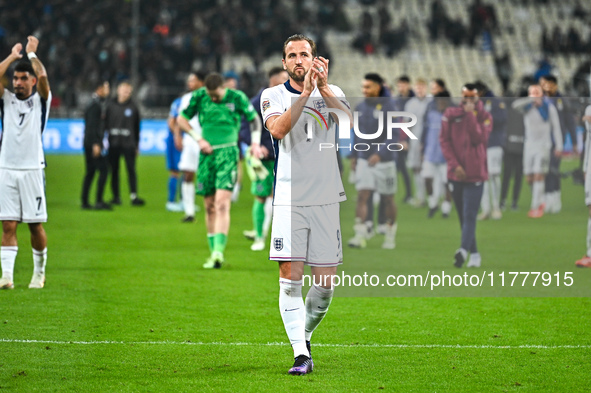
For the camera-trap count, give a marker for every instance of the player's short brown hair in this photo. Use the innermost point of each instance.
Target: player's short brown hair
(213, 81)
(300, 37)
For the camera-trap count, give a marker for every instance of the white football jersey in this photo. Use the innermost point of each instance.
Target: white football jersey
(539, 131)
(23, 122)
(194, 122)
(418, 107)
(305, 174)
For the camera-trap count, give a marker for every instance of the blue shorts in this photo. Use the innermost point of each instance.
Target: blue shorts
(173, 156)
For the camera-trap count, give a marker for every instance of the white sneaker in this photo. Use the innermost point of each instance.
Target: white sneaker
(258, 245)
(483, 216)
(174, 207)
(357, 242)
(250, 235)
(5, 283)
(496, 215)
(474, 260)
(388, 244)
(38, 281)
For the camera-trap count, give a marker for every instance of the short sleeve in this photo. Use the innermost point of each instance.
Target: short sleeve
(271, 104)
(339, 93)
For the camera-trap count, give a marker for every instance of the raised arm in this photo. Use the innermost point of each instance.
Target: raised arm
(521, 104)
(332, 101)
(42, 81)
(13, 56)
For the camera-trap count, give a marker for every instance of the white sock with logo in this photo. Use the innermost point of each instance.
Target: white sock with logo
(317, 301)
(293, 314)
(7, 258)
(40, 260)
(188, 195)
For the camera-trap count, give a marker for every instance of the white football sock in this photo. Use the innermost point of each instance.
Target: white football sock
(419, 187)
(537, 194)
(391, 231)
(268, 216)
(438, 191)
(495, 185)
(317, 301)
(588, 238)
(432, 201)
(40, 260)
(446, 207)
(557, 201)
(360, 229)
(7, 258)
(485, 201)
(188, 195)
(293, 313)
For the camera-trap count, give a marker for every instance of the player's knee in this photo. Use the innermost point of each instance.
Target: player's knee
(222, 207)
(9, 228)
(285, 270)
(363, 196)
(36, 229)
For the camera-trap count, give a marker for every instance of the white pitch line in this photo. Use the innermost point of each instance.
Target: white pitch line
(276, 344)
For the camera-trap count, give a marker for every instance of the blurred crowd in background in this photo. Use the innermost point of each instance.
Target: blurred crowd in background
(83, 41)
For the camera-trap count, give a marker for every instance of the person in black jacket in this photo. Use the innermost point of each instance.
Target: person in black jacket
(122, 123)
(93, 147)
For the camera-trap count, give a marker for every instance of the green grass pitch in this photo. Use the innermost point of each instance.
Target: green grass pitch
(128, 308)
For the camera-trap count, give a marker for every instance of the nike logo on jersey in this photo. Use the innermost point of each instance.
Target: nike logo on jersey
(293, 309)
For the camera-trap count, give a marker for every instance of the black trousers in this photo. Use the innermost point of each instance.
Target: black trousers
(512, 167)
(129, 156)
(467, 197)
(94, 164)
(553, 176)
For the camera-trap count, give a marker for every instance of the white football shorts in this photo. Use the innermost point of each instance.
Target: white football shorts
(434, 171)
(189, 161)
(22, 195)
(413, 160)
(536, 161)
(494, 160)
(309, 234)
(381, 177)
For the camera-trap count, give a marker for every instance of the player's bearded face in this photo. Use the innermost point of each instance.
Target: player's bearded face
(22, 84)
(298, 60)
(298, 73)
